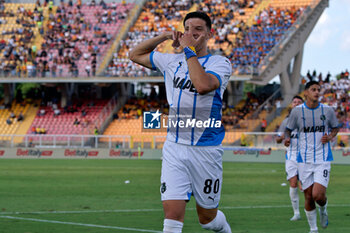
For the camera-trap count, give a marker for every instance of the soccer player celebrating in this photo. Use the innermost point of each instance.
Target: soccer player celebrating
(317, 125)
(192, 156)
(291, 161)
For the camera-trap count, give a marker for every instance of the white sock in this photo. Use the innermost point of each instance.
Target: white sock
(219, 224)
(312, 219)
(172, 226)
(323, 208)
(294, 197)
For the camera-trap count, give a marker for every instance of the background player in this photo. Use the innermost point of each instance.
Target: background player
(192, 157)
(291, 161)
(317, 126)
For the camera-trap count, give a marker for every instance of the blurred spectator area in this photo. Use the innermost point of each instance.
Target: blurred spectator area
(85, 113)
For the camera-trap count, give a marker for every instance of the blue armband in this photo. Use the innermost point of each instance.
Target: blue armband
(190, 52)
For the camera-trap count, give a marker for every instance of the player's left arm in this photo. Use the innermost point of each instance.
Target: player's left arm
(203, 81)
(328, 137)
(334, 125)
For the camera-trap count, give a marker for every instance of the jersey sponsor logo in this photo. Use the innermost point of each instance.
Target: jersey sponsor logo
(323, 117)
(183, 84)
(151, 120)
(294, 136)
(314, 129)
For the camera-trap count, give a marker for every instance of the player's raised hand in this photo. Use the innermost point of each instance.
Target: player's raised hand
(200, 40)
(187, 40)
(325, 138)
(287, 142)
(176, 36)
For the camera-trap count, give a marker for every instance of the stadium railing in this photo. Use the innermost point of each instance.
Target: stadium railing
(263, 140)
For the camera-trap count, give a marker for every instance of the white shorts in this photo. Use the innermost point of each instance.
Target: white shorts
(192, 170)
(310, 173)
(291, 168)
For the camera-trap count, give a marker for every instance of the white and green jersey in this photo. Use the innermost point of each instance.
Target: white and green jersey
(194, 119)
(312, 124)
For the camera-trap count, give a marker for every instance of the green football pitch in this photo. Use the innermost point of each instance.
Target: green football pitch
(102, 196)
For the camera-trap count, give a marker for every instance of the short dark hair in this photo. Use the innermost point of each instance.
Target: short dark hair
(298, 97)
(200, 15)
(309, 84)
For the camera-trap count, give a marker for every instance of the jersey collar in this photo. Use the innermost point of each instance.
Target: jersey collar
(312, 108)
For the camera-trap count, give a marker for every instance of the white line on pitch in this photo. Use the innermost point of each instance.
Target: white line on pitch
(83, 211)
(80, 224)
(153, 210)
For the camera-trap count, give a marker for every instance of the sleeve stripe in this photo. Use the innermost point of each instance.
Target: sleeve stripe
(151, 59)
(216, 75)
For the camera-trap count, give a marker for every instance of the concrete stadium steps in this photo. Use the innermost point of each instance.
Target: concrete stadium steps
(28, 119)
(134, 8)
(257, 10)
(15, 126)
(38, 40)
(277, 121)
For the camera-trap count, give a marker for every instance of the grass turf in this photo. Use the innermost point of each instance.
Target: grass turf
(252, 197)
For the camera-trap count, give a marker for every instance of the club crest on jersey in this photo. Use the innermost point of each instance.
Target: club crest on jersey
(163, 187)
(323, 117)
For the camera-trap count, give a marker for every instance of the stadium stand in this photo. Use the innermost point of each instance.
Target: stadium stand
(128, 121)
(155, 18)
(74, 119)
(10, 121)
(72, 40)
(233, 37)
(79, 36)
(51, 41)
(17, 35)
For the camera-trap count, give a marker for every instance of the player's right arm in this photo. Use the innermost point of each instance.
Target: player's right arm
(287, 134)
(141, 53)
(291, 125)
